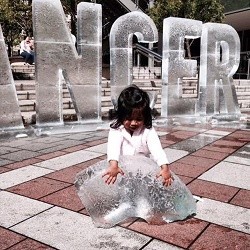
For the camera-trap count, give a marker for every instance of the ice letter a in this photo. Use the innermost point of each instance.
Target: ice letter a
(220, 55)
(10, 115)
(56, 54)
(175, 67)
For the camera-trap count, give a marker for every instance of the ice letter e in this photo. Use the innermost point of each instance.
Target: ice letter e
(175, 67)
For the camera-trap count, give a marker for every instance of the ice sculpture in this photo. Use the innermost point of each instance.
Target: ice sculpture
(10, 115)
(121, 35)
(136, 194)
(56, 55)
(219, 61)
(175, 67)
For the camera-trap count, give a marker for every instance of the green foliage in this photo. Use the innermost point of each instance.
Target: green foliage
(205, 10)
(15, 17)
(235, 5)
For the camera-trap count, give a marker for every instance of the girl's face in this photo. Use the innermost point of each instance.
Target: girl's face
(133, 122)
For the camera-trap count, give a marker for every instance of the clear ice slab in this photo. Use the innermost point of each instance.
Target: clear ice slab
(138, 193)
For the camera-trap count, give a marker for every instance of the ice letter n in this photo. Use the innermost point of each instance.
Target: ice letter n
(56, 54)
(175, 67)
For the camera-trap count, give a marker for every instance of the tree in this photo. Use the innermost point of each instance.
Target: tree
(205, 11)
(15, 17)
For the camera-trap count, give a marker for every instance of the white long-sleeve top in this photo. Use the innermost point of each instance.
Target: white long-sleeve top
(143, 141)
(24, 46)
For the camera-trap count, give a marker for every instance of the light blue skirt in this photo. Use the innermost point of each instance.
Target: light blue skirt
(138, 193)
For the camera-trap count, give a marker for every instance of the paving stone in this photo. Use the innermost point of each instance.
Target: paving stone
(9, 238)
(159, 245)
(6, 150)
(63, 145)
(69, 174)
(20, 175)
(242, 198)
(181, 233)
(241, 156)
(4, 162)
(188, 169)
(75, 148)
(185, 179)
(30, 244)
(100, 148)
(217, 237)
(228, 144)
(38, 188)
(23, 163)
(210, 154)
(175, 154)
(198, 161)
(230, 174)
(60, 219)
(196, 142)
(34, 146)
(66, 198)
(3, 170)
(220, 149)
(15, 208)
(68, 160)
(50, 155)
(20, 155)
(224, 214)
(217, 132)
(212, 190)
(64, 229)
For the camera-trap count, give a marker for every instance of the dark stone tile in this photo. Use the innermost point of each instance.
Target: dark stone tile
(210, 154)
(228, 144)
(23, 163)
(242, 199)
(4, 162)
(38, 188)
(212, 190)
(188, 169)
(9, 238)
(220, 149)
(3, 170)
(181, 233)
(20, 155)
(50, 155)
(66, 198)
(198, 161)
(30, 244)
(6, 150)
(217, 237)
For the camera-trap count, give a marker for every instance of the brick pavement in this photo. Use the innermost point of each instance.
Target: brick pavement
(39, 207)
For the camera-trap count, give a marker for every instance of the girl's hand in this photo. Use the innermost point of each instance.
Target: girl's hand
(112, 171)
(166, 175)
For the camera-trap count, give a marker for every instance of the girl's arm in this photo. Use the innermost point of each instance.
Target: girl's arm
(159, 156)
(155, 148)
(113, 154)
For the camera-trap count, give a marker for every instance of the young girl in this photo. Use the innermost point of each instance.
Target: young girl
(134, 185)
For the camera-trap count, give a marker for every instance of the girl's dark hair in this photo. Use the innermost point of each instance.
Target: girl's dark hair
(132, 98)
